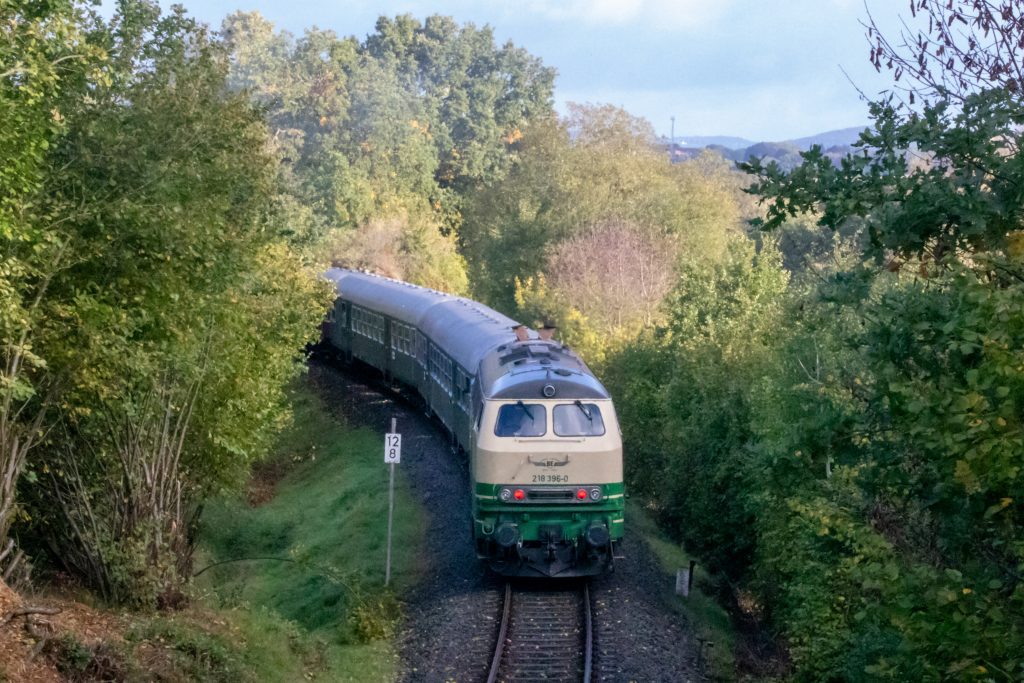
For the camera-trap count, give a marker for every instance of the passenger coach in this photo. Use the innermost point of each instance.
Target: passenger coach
(541, 432)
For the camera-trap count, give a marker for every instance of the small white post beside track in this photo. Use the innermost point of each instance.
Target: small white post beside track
(392, 456)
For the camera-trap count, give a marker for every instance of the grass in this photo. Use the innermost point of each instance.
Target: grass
(320, 605)
(705, 615)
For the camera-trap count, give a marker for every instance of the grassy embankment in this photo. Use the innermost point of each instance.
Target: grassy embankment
(320, 608)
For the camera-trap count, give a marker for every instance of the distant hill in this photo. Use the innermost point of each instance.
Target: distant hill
(835, 144)
(844, 137)
(727, 141)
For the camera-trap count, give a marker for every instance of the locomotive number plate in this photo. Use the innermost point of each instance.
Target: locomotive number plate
(551, 479)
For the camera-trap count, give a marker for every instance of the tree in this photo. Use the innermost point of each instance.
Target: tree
(153, 306)
(596, 167)
(964, 198)
(888, 442)
(480, 96)
(614, 274)
(47, 62)
(393, 130)
(687, 393)
(969, 46)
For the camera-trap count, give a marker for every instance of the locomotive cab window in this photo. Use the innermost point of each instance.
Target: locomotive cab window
(578, 419)
(521, 419)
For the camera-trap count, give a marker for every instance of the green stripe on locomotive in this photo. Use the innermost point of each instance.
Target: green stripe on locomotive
(571, 516)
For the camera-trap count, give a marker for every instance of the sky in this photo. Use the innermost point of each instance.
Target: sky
(757, 69)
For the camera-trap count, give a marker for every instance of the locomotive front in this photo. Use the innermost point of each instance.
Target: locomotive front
(546, 465)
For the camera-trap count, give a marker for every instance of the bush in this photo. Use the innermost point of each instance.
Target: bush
(79, 662)
(851, 451)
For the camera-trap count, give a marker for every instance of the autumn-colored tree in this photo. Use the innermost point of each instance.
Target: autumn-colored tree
(391, 130)
(595, 167)
(968, 46)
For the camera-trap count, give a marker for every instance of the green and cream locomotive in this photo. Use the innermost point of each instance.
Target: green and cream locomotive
(541, 432)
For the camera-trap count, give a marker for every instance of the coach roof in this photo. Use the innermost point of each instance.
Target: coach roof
(395, 299)
(464, 329)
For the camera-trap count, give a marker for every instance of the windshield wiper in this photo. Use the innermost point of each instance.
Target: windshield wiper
(584, 410)
(527, 410)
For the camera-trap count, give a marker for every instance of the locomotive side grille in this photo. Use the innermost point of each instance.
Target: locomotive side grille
(550, 494)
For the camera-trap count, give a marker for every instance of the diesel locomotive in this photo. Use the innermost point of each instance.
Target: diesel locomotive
(543, 440)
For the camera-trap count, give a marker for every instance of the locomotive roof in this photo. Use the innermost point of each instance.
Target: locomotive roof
(522, 370)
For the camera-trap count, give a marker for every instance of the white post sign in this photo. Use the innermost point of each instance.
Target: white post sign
(392, 456)
(392, 448)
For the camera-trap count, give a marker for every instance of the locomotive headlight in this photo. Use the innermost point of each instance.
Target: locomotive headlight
(595, 494)
(505, 495)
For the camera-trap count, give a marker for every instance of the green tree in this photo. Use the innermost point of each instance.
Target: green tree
(161, 301)
(888, 526)
(725, 322)
(47, 63)
(480, 97)
(963, 197)
(384, 136)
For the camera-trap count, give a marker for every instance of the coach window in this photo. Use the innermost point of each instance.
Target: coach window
(446, 370)
(421, 349)
(409, 341)
(401, 338)
(461, 391)
(577, 419)
(521, 419)
(357, 321)
(441, 369)
(376, 327)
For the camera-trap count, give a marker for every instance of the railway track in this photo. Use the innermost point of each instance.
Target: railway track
(545, 635)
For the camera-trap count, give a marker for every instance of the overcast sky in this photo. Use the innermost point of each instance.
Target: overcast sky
(759, 69)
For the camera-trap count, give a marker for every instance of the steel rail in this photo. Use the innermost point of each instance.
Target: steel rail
(505, 649)
(499, 649)
(588, 648)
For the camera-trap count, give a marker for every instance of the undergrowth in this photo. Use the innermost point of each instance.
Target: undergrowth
(307, 567)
